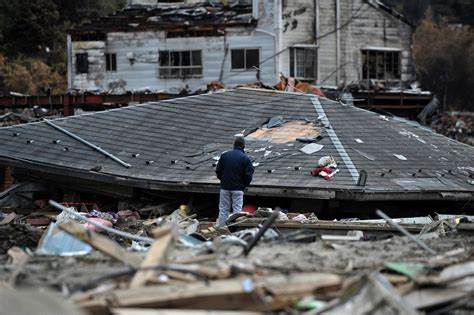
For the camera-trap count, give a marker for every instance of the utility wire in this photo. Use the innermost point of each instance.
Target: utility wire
(351, 19)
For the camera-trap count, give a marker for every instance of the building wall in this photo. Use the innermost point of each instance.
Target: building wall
(94, 79)
(281, 25)
(137, 58)
(298, 27)
(362, 26)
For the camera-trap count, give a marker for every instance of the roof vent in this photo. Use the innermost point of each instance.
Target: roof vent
(362, 178)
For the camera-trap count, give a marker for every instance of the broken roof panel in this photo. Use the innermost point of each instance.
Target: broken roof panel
(175, 144)
(194, 16)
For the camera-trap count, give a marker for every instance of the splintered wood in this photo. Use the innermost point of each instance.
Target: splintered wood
(244, 293)
(288, 131)
(156, 256)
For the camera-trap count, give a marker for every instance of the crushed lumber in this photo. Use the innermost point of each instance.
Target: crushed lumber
(19, 260)
(157, 255)
(139, 311)
(257, 294)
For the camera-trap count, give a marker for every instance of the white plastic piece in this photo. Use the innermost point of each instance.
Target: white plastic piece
(400, 157)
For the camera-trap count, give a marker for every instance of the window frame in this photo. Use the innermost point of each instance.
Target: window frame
(372, 71)
(179, 71)
(293, 62)
(244, 50)
(111, 62)
(82, 62)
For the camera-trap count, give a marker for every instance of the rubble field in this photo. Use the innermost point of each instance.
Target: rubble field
(86, 261)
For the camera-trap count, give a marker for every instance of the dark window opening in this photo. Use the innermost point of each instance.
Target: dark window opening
(245, 59)
(303, 63)
(88, 37)
(176, 64)
(381, 65)
(111, 62)
(82, 64)
(190, 33)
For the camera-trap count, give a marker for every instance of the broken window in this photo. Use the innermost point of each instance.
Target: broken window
(303, 63)
(82, 63)
(111, 62)
(174, 64)
(245, 59)
(380, 65)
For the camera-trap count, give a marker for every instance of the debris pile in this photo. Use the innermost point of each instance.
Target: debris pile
(10, 117)
(126, 261)
(456, 125)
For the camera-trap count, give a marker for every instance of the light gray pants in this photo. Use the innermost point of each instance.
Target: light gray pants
(228, 199)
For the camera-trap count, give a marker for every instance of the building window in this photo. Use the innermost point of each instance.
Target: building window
(82, 64)
(245, 59)
(175, 64)
(303, 63)
(381, 65)
(111, 62)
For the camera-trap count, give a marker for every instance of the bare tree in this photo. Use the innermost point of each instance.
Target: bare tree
(444, 58)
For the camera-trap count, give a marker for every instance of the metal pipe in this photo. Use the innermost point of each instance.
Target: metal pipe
(405, 232)
(103, 227)
(87, 143)
(266, 225)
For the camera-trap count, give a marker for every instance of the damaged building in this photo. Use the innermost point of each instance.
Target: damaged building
(181, 46)
(171, 147)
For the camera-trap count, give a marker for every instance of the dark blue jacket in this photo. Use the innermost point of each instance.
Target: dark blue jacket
(234, 169)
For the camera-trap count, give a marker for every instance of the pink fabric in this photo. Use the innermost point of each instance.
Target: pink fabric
(93, 228)
(129, 215)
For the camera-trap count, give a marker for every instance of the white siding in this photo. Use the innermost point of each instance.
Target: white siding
(95, 78)
(279, 27)
(367, 26)
(143, 72)
(144, 47)
(298, 27)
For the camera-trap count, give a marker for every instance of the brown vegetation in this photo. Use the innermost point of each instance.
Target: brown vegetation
(444, 57)
(29, 76)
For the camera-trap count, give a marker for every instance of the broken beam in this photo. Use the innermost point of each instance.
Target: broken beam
(260, 294)
(157, 255)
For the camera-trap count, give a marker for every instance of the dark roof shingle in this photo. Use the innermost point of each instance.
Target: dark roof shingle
(184, 136)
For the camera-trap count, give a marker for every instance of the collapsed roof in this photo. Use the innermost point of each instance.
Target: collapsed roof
(195, 16)
(173, 145)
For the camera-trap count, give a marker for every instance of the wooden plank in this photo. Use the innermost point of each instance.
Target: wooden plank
(139, 311)
(230, 294)
(19, 260)
(197, 258)
(101, 243)
(157, 254)
(431, 297)
(330, 225)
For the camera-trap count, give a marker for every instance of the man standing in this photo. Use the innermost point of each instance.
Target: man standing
(235, 171)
